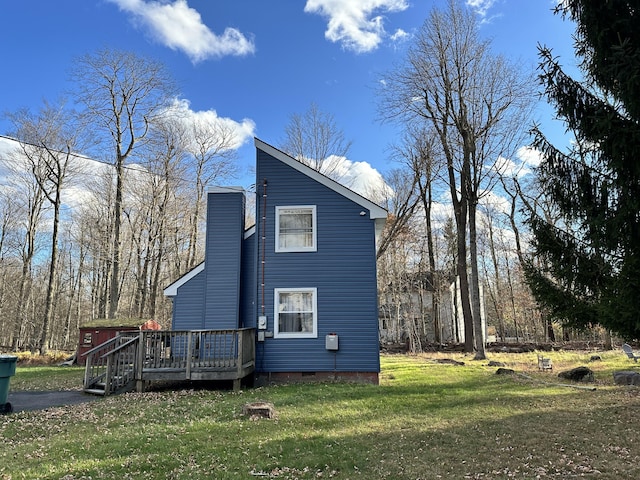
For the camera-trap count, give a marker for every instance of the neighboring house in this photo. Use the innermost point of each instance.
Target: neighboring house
(457, 335)
(304, 276)
(406, 309)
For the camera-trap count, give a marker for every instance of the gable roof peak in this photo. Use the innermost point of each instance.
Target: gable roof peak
(375, 211)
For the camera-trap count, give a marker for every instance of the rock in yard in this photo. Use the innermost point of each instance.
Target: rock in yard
(626, 378)
(449, 361)
(578, 374)
(505, 371)
(493, 363)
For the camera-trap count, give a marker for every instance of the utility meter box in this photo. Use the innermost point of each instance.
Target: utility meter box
(331, 341)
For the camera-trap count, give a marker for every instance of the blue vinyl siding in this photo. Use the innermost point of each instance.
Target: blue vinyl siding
(188, 305)
(225, 228)
(248, 304)
(343, 270)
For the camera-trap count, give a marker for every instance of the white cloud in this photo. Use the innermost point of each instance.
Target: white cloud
(529, 156)
(242, 131)
(14, 170)
(180, 27)
(352, 22)
(360, 177)
(399, 36)
(508, 168)
(495, 203)
(481, 7)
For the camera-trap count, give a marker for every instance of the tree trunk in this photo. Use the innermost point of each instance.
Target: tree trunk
(427, 202)
(464, 287)
(43, 344)
(35, 206)
(114, 290)
(479, 334)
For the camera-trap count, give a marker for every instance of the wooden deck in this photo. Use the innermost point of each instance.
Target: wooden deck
(134, 359)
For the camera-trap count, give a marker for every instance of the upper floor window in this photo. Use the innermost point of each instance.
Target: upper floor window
(296, 229)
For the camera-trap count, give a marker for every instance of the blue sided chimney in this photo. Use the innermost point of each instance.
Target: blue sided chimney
(223, 253)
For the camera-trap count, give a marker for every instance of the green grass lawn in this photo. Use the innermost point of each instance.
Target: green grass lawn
(426, 420)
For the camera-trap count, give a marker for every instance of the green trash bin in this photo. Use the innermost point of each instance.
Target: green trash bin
(7, 370)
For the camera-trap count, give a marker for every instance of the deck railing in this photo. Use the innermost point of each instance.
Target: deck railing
(170, 354)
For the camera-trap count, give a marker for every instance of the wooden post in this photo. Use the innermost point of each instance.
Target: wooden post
(140, 363)
(87, 370)
(240, 359)
(107, 380)
(189, 355)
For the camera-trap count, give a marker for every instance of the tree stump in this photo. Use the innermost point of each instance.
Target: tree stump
(258, 410)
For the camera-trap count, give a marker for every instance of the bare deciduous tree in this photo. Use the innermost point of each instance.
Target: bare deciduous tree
(315, 139)
(474, 101)
(121, 93)
(211, 147)
(48, 141)
(29, 208)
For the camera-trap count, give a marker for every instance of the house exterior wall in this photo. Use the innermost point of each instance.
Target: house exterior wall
(236, 283)
(343, 270)
(249, 287)
(188, 305)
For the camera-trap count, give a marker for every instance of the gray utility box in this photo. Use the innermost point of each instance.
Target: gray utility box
(331, 341)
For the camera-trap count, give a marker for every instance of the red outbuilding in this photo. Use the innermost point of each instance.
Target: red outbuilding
(99, 331)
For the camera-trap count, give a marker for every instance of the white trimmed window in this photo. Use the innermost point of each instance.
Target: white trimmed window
(296, 228)
(296, 313)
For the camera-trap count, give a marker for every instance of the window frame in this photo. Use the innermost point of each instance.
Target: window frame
(314, 230)
(276, 315)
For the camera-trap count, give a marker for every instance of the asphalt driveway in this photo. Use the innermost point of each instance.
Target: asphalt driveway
(21, 401)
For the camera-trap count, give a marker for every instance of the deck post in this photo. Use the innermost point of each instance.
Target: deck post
(107, 379)
(87, 370)
(189, 355)
(240, 356)
(142, 351)
(140, 362)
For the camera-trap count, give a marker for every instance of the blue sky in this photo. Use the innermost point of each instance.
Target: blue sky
(257, 62)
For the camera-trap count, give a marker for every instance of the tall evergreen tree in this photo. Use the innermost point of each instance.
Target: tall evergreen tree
(587, 270)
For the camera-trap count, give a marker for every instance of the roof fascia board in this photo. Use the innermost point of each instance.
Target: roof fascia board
(172, 290)
(221, 189)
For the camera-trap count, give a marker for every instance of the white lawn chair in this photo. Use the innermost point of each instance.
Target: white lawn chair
(544, 363)
(626, 348)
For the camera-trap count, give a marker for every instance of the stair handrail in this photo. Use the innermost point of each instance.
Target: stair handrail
(95, 368)
(119, 374)
(120, 347)
(93, 372)
(99, 347)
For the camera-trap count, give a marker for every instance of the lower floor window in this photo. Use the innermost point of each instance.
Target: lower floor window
(295, 313)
